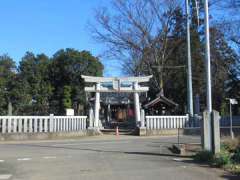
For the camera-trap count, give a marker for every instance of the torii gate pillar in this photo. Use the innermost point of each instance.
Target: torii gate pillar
(136, 104)
(97, 106)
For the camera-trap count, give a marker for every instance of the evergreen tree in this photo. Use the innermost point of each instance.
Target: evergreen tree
(7, 76)
(66, 69)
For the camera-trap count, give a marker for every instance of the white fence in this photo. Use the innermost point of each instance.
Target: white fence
(36, 124)
(170, 122)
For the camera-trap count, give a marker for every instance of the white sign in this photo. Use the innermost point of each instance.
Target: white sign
(233, 101)
(70, 112)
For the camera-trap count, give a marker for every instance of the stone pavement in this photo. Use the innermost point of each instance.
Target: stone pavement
(103, 157)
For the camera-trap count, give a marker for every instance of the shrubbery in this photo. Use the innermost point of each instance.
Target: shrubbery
(236, 156)
(221, 159)
(229, 157)
(204, 156)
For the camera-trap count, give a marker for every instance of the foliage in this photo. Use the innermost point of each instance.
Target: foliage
(234, 169)
(236, 155)
(65, 70)
(228, 157)
(204, 156)
(7, 76)
(224, 109)
(230, 145)
(221, 159)
(67, 102)
(42, 85)
(33, 84)
(155, 43)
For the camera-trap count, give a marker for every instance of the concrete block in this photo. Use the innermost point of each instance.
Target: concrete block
(215, 132)
(142, 131)
(206, 131)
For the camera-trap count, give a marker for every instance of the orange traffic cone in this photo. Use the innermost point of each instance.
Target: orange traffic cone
(117, 131)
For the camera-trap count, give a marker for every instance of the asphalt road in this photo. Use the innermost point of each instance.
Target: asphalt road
(105, 157)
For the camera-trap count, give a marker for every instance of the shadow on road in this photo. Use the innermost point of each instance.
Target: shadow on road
(103, 151)
(231, 177)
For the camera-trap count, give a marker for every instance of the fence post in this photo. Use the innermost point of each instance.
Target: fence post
(188, 120)
(90, 118)
(3, 125)
(25, 125)
(14, 125)
(9, 127)
(51, 119)
(142, 118)
(45, 124)
(30, 125)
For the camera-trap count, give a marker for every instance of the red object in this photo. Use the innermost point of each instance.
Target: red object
(117, 131)
(130, 113)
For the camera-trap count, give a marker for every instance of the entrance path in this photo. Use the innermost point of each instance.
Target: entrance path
(103, 157)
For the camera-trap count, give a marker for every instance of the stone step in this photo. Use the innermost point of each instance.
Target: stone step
(121, 131)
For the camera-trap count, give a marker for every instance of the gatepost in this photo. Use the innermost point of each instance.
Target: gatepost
(211, 131)
(142, 128)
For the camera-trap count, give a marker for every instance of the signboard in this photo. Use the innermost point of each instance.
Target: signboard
(69, 112)
(233, 101)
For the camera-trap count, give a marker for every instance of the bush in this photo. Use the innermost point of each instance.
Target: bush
(221, 159)
(236, 156)
(204, 156)
(235, 169)
(230, 145)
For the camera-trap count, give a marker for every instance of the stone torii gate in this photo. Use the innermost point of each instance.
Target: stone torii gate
(116, 86)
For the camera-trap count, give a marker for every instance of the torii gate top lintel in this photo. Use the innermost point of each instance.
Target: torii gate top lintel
(122, 79)
(116, 84)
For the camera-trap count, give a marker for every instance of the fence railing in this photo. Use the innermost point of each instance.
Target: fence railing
(225, 121)
(36, 124)
(171, 122)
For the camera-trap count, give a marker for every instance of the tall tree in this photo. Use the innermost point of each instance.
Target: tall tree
(150, 38)
(66, 69)
(7, 75)
(34, 84)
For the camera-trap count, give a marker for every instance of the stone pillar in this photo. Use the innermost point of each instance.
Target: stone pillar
(142, 118)
(91, 116)
(10, 108)
(211, 131)
(206, 131)
(108, 113)
(142, 128)
(137, 104)
(97, 106)
(216, 132)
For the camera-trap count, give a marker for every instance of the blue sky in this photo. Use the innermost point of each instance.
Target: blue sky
(45, 26)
